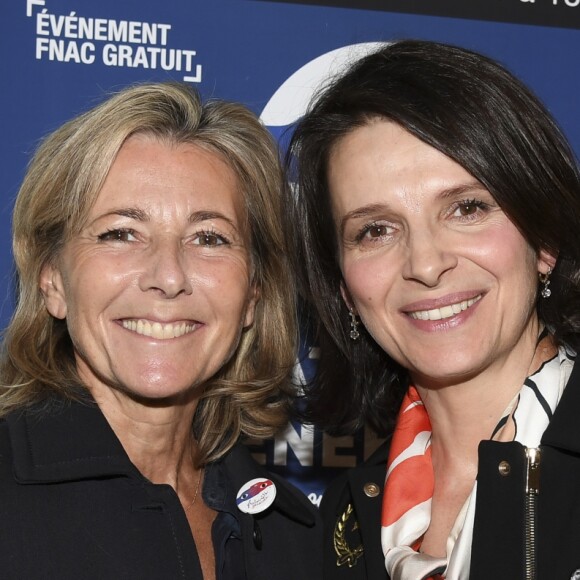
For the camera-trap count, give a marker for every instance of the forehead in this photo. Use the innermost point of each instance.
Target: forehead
(381, 159)
(151, 170)
(387, 144)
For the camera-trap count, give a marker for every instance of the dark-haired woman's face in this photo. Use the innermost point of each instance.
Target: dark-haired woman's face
(441, 278)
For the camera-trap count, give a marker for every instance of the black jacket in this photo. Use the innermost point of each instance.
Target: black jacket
(499, 540)
(73, 506)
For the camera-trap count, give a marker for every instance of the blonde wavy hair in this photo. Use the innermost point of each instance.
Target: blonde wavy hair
(249, 395)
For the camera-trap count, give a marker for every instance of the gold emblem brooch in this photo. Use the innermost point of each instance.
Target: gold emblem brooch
(346, 554)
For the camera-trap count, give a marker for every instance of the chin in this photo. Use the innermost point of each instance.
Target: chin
(445, 375)
(157, 395)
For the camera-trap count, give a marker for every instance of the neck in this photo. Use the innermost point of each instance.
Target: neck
(463, 413)
(157, 439)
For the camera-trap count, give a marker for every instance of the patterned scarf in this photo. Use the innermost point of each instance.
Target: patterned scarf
(409, 481)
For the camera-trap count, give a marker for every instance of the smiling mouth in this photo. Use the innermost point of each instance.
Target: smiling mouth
(445, 311)
(158, 330)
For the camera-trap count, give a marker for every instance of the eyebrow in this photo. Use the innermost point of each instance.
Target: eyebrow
(194, 218)
(361, 212)
(373, 208)
(462, 189)
(130, 212)
(205, 215)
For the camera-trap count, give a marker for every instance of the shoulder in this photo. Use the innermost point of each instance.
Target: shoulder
(363, 481)
(242, 467)
(351, 512)
(5, 451)
(288, 532)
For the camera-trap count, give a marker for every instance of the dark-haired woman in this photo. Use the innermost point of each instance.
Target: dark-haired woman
(435, 232)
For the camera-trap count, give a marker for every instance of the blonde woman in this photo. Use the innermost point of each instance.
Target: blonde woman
(154, 328)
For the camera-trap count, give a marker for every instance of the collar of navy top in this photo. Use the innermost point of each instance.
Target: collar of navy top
(65, 441)
(72, 441)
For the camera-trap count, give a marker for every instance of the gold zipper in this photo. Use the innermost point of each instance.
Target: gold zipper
(533, 456)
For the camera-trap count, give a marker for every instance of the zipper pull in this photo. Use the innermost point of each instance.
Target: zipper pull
(533, 456)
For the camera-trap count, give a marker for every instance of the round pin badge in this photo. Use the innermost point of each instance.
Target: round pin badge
(256, 495)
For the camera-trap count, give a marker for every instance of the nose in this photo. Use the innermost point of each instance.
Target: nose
(164, 270)
(429, 257)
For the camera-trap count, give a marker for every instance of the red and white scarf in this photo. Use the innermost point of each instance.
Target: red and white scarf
(409, 481)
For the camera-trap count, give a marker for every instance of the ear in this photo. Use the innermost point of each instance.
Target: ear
(52, 288)
(254, 297)
(546, 261)
(347, 297)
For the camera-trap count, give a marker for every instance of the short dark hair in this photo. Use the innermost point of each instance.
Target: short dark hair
(476, 112)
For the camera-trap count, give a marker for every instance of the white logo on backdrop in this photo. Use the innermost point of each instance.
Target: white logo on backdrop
(291, 100)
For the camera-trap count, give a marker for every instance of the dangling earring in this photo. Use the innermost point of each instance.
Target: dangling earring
(545, 280)
(354, 333)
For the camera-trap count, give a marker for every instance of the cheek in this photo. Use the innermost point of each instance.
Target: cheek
(352, 273)
(85, 293)
(507, 254)
(227, 287)
(368, 280)
(90, 277)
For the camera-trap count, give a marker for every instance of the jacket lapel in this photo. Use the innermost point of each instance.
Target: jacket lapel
(69, 440)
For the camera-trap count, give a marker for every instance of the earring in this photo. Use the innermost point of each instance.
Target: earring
(354, 333)
(545, 280)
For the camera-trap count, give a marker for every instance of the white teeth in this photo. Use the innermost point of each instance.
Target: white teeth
(444, 311)
(158, 330)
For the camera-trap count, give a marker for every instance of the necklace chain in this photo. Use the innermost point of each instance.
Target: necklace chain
(196, 490)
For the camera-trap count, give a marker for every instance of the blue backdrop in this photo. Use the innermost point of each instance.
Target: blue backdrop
(61, 56)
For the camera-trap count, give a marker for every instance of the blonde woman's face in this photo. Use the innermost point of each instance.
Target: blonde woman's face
(156, 288)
